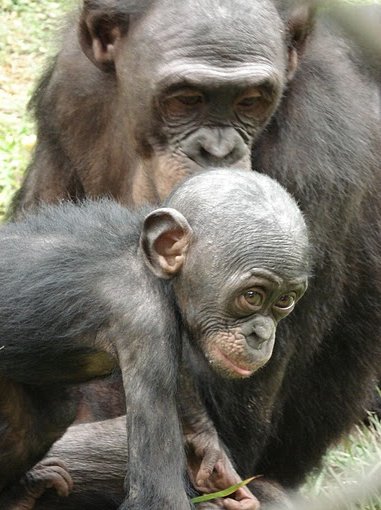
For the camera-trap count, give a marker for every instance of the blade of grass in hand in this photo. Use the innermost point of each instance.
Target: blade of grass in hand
(222, 494)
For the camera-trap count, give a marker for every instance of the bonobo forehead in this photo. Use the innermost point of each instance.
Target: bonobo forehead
(243, 220)
(173, 34)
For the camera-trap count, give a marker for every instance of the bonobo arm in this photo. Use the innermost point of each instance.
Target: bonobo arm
(149, 360)
(209, 466)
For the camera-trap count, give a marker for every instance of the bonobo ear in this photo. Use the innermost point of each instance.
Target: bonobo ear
(300, 23)
(102, 25)
(164, 241)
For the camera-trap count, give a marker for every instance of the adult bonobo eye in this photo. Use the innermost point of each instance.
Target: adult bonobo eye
(250, 301)
(254, 102)
(182, 103)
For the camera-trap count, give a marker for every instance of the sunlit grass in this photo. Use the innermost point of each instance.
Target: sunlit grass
(26, 34)
(353, 459)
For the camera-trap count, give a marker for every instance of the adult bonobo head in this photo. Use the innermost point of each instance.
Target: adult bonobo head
(197, 80)
(239, 253)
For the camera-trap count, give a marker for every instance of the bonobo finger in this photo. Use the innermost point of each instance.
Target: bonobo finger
(59, 467)
(208, 464)
(52, 461)
(244, 493)
(243, 500)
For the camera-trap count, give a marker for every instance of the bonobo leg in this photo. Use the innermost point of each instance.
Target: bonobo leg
(96, 454)
(31, 419)
(101, 399)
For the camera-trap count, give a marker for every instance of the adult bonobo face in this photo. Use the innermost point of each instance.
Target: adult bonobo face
(198, 80)
(241, 260)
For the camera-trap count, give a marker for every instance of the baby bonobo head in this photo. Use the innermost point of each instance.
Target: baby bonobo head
(237, 245)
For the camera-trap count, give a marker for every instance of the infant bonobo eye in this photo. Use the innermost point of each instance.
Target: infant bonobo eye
(286, 301)
(251, 300)
(255, 299)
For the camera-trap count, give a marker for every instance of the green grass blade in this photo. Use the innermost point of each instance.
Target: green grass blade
(224, 493)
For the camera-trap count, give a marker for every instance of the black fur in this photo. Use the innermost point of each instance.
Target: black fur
(65, 318)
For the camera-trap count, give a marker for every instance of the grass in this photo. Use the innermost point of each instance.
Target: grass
(354, 458)
(26, 31)
(26, 34)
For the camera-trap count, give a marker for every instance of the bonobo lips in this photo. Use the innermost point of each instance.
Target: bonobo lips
(233, 367)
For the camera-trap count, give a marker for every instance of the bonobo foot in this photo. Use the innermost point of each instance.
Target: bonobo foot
(50, 473)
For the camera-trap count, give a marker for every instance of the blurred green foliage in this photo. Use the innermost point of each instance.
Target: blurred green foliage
(26, 39)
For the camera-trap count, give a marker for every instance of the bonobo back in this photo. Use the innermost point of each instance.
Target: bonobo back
(77, 302)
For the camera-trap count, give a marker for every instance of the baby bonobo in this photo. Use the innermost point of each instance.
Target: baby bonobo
(86, 289)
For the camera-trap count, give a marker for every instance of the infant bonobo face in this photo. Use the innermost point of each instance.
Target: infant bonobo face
(237, 245)
(239, 336)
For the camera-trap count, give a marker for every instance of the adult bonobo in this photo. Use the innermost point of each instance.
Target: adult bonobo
(143, 97)
(214, 66)
(86, 288)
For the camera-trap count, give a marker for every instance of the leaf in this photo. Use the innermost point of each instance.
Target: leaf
(224, 493)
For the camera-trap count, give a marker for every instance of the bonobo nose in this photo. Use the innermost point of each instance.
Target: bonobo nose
(215, 147)
(258, 331)
(264, 331)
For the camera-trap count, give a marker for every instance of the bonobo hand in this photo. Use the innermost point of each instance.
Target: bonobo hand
(211, 470)
(50, 473)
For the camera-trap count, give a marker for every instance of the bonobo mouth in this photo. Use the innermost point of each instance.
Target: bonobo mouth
(228, 364)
